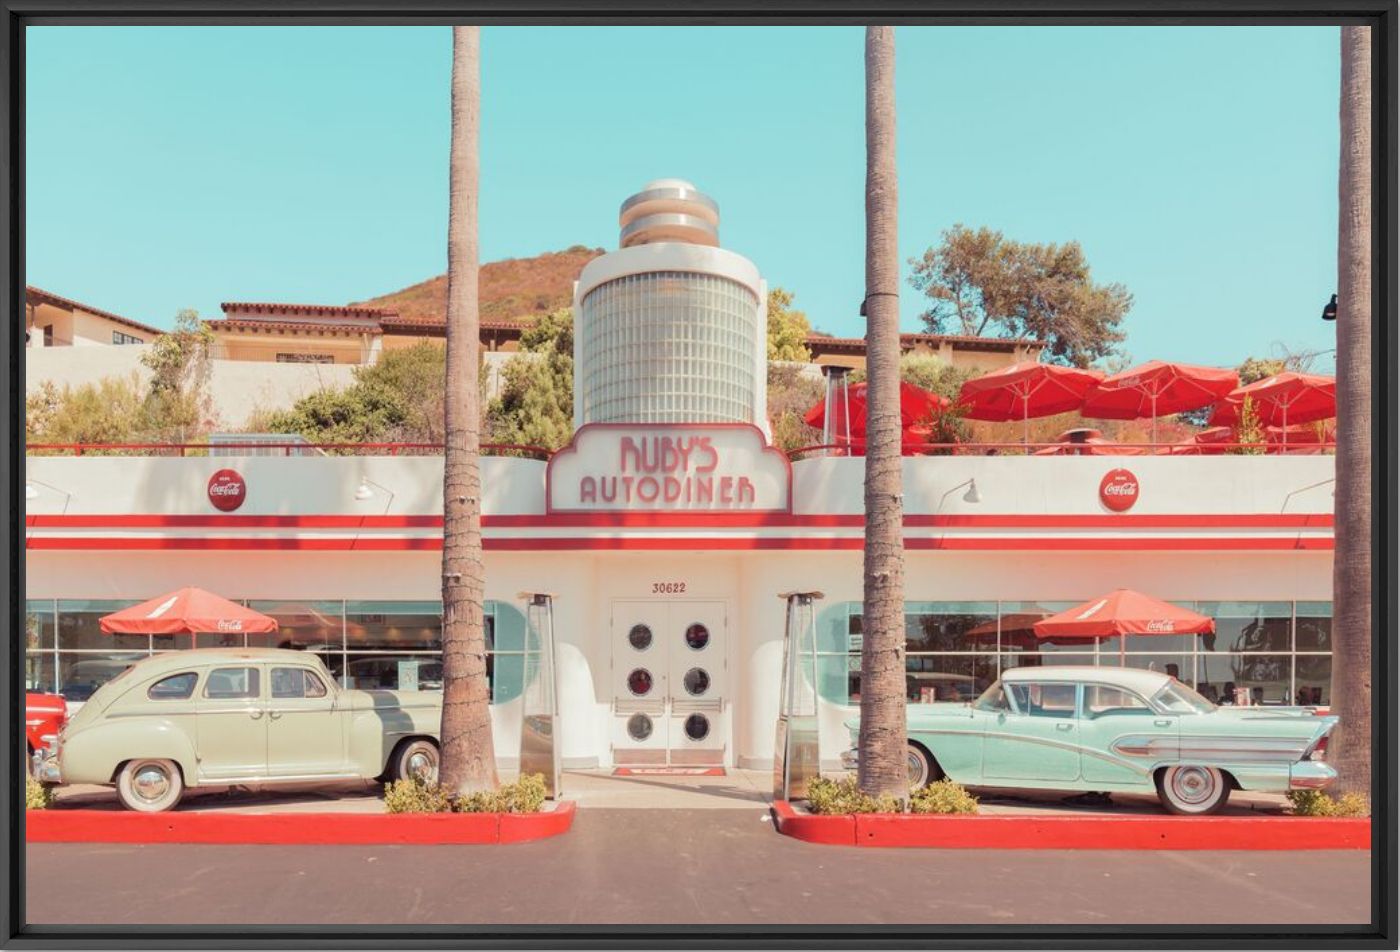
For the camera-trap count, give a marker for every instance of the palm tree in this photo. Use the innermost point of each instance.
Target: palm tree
(1350, 750)
(468, 757)
(883, 768)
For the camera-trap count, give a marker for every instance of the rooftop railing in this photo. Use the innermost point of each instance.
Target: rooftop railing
(303, 449)
(262, 448)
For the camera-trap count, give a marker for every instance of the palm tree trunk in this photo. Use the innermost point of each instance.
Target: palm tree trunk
(468, 757)
(883, 767)
(1350, 747)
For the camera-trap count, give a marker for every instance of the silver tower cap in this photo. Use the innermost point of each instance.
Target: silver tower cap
(669, 210)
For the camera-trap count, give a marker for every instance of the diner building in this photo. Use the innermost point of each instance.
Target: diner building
(670, 529)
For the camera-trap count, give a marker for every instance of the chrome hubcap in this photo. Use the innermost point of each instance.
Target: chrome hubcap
(1192, 785)
(151, 783)
(916, 768)
(423, 765)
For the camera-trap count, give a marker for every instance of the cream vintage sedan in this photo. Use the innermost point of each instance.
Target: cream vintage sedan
(225, 716)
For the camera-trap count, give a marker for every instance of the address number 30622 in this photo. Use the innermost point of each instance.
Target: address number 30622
(668, 588)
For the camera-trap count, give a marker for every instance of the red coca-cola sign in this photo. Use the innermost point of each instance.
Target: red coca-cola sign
(1119, 490)
(227, 490)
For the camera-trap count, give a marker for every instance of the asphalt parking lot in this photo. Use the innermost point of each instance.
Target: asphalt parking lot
(702, 866)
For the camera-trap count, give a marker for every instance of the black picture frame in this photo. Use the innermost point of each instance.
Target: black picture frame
(1380, 14)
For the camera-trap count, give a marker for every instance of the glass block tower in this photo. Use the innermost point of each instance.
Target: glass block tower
(670, 328)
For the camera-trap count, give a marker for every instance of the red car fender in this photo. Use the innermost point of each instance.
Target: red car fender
(44, 714)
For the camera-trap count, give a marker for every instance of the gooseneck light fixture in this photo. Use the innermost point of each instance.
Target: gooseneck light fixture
(1329, 310)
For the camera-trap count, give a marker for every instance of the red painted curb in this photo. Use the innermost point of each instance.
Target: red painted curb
(296, 829)
(1075, 832)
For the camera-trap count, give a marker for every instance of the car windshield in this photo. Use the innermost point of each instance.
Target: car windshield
(1177, 698)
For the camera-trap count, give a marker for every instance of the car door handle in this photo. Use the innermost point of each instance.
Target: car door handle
(274, 715)
(255, 714)
(1064, 727)
(1162, 722)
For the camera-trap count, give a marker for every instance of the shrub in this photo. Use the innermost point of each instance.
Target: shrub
(414, 795)
(943, 796)
(839, 797)
(36, 795)
(525, 795)
(1318, 803)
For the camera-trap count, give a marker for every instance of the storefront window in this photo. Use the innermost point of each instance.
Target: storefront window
(86, 657)
(39, 646)
(957, 648)
(1248, 626)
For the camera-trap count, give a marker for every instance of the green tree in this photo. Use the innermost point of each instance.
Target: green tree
(535, 406)
(787, 329)
(928, 372)
(1254, 369)
(112, 410)
(401, 398)
(980, 282)
(177, 399)
(791, 393)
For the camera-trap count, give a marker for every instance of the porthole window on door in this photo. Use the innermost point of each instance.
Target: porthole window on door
(639, 726)
(697, 636)
(697, 727)
(639, 637)
(639, 681)
(696, 681)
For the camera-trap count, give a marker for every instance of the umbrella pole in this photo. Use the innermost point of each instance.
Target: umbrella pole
(1285, 425)
(1026, 420)
(1154, 421)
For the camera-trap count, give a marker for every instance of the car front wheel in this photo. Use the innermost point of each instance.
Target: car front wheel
(419, 759)
(150, 786)
(1193, 791)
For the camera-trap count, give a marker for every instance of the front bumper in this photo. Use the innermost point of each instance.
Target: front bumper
(1310, 775)
(850, 759)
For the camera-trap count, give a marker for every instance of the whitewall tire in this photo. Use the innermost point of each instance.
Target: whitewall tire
(150, 786)
(1190, 790)
(417, 758)
(922, 770)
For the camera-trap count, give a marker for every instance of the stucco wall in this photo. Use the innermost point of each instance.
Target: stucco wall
(237, 387)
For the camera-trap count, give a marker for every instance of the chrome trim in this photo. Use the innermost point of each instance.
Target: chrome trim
(1224, 749)
(667, 220)
(1310, 775)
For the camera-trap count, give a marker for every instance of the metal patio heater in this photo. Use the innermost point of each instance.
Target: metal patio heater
(539, 728)
(797, 751)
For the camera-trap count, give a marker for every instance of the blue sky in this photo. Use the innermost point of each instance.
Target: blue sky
(180, 167)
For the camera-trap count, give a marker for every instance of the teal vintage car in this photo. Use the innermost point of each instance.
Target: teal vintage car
(1094, 729)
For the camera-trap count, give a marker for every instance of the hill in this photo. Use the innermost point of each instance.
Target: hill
(513, 289)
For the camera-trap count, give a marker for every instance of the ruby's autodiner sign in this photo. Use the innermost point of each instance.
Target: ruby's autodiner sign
(669, 468)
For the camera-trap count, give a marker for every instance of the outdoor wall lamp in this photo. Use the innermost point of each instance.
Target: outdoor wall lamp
(1329, 310)
(972, 495)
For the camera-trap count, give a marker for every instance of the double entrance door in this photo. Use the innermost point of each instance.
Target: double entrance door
(669, 683)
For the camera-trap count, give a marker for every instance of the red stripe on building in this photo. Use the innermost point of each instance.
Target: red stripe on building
(674, 543)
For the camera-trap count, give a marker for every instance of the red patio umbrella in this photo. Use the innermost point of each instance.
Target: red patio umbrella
(1123, 612)
(185, 612)
(1025, 390)
(1284, 398)
(916, 406)
(1157, 389)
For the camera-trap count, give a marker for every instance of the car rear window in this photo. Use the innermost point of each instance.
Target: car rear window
(177, 687)
(1045, 699)
(232, 683)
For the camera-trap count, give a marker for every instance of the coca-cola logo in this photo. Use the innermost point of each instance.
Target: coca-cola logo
(1119, 490)
(227, 490)
(230, 624)
(1160, 626)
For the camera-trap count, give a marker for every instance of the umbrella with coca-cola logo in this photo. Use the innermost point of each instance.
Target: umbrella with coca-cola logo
(1026, 390)
(1156, 389)
(1123, 612)
(188, 611)
(1285, 399)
